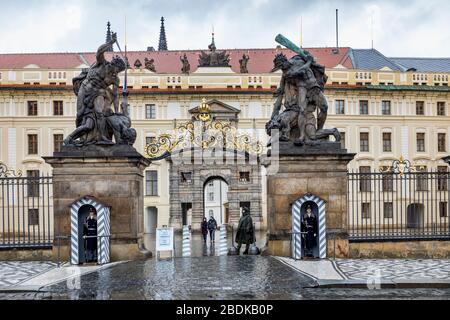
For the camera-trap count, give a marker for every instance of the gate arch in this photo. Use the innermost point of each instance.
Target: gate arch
(103, 229)
(296, 225)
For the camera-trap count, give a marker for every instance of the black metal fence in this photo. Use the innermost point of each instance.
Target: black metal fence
(26, 212)
(406, 205)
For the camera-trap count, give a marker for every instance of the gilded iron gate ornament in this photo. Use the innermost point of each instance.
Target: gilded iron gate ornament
(401, 166)
(6, 172)
(202, 132)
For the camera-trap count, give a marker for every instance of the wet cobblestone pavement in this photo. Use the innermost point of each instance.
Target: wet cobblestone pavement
(218, 278)
(208, 278)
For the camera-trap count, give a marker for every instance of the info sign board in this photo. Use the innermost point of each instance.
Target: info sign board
(164, 239)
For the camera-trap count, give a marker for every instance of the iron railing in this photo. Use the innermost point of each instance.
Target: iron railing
(395, 206)
(26, 212)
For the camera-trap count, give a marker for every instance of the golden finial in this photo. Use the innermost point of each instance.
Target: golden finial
(204, 111)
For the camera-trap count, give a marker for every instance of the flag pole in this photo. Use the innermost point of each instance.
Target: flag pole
(125, 82)
(301, 32)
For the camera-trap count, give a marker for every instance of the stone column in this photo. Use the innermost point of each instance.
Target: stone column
(175, 218)
(197, 200)
(113, 175)
(301, 170)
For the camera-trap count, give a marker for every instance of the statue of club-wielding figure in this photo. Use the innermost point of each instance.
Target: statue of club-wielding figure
(301, 90)
(97, 89)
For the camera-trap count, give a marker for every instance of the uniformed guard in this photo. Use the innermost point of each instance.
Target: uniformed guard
(245, 232)
(90, 236)
(309, 227)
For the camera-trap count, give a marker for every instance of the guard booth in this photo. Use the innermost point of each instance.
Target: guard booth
(79, 211)
(298, 236)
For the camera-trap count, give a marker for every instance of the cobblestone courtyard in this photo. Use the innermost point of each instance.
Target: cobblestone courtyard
(223, 278)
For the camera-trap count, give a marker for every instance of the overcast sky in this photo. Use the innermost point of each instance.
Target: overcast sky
(400, 28)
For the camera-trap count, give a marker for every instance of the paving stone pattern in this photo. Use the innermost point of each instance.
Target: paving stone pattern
(15, 272)
(223, 278)
(399, 269)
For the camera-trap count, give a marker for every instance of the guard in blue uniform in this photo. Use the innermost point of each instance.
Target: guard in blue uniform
(90, 230)
(309, 227)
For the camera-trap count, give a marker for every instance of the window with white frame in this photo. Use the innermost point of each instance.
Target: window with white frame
(442, 139)
(150, 140)
(151, 182)
(150, 111)
(387, 142)
(420, 108)
(385, 107)
(340, 106)
(363, 107)
(420, 141)
(441, 111)
(364, 141)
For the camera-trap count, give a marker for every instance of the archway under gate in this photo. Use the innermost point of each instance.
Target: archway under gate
(198, 190)
(215, 198)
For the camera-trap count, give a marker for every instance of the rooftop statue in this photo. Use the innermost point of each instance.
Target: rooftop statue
(300, 93)
(137, 64)
(97, 90)
(186, 66)
(243, 63)
(150, 64)
(214, 58)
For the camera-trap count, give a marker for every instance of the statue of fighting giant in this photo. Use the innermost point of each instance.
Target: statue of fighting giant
(97, 90)
(301, 92)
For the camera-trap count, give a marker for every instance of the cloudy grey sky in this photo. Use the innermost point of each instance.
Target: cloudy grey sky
(400, 28)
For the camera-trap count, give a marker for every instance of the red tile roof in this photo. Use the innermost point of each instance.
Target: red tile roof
(43, 60)
(261, 60)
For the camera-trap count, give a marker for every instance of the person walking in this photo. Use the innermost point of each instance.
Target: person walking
(204, 229)
(212, 226)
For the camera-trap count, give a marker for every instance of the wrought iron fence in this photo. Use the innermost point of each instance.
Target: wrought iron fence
(26, 212)
(398, 204)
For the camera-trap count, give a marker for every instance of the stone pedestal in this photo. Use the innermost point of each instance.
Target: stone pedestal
(318, 170)
(113, 175)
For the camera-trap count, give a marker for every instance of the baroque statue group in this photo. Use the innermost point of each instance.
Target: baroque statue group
(301, 93)
(97, 91)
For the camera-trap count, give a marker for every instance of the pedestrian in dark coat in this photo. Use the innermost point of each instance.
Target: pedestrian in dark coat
(204, 229)
(90, 228)
(212, 226)
(309, 225)
(245, 232)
